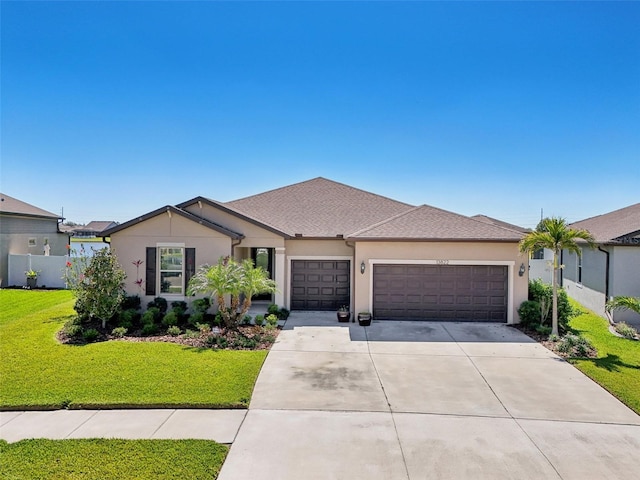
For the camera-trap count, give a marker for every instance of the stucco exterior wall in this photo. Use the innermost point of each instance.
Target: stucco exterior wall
(130, 245)
(497, 253)
(625, 280)
(255, 236)
(15, 233)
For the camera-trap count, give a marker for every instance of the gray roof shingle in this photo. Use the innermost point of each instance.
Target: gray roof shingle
(430, 223)
(14, 206)
(319, 208)
(612, 226)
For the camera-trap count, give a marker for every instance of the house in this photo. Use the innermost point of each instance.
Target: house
(92, 229)
(610, 270)
(327, 244)
(28, 230)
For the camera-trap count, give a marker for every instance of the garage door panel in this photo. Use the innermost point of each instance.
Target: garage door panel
(320, 285)
(440, 292)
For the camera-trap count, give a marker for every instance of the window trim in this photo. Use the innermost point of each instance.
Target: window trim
(159, 270)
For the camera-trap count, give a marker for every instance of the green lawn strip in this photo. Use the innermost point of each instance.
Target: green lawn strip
(99, 459)
(617, 367)
(39, 373)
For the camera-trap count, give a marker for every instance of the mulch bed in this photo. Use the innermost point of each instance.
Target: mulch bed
(232, 339)
(550, 345)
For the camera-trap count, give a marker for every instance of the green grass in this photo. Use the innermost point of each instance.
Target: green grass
(99, 459)
(617, 367)
(38, 372)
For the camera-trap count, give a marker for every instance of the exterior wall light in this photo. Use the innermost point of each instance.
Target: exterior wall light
(362, 267)
(522, 270)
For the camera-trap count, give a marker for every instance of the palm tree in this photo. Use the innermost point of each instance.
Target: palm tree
(232, 279)
(626, 303)
(554, 234)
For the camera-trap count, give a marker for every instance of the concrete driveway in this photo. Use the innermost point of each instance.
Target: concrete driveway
(412, 400)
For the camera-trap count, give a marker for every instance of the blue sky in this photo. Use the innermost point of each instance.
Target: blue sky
(113, 109)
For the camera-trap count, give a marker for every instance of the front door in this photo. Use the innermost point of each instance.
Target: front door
(263, 257)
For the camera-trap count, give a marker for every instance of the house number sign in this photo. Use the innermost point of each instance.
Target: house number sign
(442, 262)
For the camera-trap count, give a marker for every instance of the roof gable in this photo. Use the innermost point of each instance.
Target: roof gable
(177, 211)
(614, 226)
(430, 223)
(318, 208)
(13, 206)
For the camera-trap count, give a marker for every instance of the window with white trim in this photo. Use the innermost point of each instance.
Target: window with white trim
(171, 270)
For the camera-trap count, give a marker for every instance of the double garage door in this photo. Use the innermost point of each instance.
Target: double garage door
(440, 292)
(320, 284)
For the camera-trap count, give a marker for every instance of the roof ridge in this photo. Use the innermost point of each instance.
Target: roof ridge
(386, 220)
(633, 205)
(497, 226)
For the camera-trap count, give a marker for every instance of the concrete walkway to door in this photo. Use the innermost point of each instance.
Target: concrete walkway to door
(418, 400)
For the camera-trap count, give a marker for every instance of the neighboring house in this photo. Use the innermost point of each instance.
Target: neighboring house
(613, 268)
(26, 229)
(92, 229)
(327, 244)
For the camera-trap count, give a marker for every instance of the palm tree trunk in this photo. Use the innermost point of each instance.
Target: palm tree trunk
(554, 308)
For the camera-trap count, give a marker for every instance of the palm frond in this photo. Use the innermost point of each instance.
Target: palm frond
(623, 303)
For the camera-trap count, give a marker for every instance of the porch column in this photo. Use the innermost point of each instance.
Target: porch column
(280, 277)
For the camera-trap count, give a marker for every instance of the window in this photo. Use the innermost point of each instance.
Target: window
(538, 254)
(171, 270)
(579, 268)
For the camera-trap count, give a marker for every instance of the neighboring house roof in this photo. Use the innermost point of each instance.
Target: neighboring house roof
(177, 211)
(232, 211)
(99, 226)
(619, 226)
(500, 223)
(430, 223)
(12, 206)
(318, 208)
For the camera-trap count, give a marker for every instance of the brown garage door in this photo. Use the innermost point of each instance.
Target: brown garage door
(440, 292)
(319, 284)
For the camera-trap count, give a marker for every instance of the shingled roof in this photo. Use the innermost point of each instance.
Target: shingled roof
(430, 223)
(13, 206)
(319, 208)
(613, 227)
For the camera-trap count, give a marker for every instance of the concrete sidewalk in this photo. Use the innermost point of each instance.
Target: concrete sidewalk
(219, 425)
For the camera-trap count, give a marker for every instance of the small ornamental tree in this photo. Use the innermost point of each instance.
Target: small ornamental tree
(554, 234)
(97, 283)
(237, 282)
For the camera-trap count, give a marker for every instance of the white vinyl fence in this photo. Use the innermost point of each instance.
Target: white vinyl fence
(50, 270)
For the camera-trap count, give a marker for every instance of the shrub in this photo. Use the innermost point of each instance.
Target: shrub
(575, 345)
(191, 334)
(529, 312)
(204, 328)
(174, 330)
(626, 330)
(543, 294)
(131, 302)
(149, 329)
(170, 319)
(90, 335)
(151, 316)
(201, 305)
(159, 303)
(179, 305)
(244, 342)
(196, 317)
(119, 332)
(543, 329)
(283, 313)
(127, 318)
(71, 328)
(273, 309)
(272, 320)
(246, 320)
(259, 320)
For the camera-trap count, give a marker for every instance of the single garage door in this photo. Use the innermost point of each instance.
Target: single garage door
(440, 292)
(320, 285)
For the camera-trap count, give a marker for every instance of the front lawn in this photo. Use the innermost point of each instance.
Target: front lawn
(617, 366)
(40, 373)
(98, 459)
